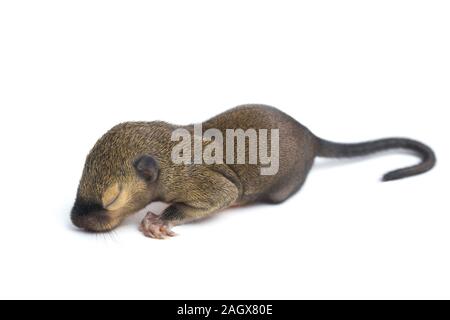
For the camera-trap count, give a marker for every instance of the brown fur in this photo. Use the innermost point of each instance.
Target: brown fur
(194, 191)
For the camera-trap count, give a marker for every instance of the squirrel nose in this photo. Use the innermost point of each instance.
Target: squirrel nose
(82, 210)
(82, 207)
(76, 221)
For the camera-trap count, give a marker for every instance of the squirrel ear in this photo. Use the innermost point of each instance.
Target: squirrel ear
(147, 167)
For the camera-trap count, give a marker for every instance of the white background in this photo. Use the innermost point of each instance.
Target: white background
(349, 70)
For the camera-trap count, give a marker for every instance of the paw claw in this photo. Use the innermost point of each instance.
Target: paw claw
(153, 226)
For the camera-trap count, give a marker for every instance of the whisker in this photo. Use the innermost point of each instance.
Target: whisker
(112, 233)
(103, 228)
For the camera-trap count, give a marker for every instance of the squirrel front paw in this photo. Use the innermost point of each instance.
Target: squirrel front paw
(153, 226)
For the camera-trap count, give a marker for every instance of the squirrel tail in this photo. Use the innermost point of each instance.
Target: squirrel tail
(330, 149)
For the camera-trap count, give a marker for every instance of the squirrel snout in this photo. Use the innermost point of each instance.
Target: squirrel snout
(90, 217)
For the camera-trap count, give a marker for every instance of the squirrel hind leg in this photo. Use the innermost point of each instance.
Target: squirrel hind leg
(283, 191)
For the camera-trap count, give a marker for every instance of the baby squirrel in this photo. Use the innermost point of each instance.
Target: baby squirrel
(131, 166)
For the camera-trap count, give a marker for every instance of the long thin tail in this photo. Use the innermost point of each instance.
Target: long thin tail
(329, 149)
